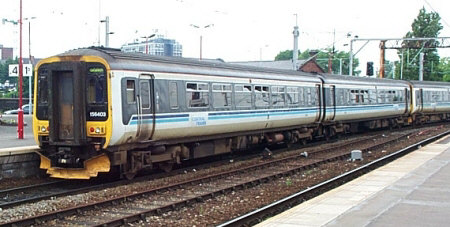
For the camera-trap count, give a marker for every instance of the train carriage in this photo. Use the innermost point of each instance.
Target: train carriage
(372, 102)
(97, 108)
(430, 100)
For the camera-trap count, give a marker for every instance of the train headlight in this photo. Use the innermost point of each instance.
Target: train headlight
(96, 130)
(43, 129)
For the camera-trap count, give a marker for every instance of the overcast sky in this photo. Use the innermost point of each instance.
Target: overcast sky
(243, 29)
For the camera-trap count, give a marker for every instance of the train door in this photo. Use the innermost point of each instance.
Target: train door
(406, 100)
(146, 108)
(419, 100)
(319, 101)
(333, 102)
(67, 106)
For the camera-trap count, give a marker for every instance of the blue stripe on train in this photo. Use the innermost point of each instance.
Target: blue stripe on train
(174, 118)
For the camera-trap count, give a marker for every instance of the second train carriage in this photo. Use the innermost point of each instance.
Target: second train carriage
(366, 102)
(430, 101)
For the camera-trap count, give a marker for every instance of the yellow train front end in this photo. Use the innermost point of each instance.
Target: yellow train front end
(72, 121)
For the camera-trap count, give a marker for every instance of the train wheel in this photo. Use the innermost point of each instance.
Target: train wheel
(166, 166)
(130, 175)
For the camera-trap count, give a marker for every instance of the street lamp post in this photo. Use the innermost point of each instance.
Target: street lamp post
(30, 79)
(107, 32)
(201, 38)
(401, 66)
(146, 41)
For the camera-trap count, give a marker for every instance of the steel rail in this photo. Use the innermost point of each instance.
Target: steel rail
(295, 199)
(94, 205)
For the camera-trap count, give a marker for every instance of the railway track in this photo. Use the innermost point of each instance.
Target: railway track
(279, 206)
(56, 188)
(14, 196)
(136, 205)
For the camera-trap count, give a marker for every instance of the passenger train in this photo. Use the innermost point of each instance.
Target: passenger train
(98, 108)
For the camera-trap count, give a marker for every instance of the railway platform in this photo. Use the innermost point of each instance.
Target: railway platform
(411, 191)
(19, 162)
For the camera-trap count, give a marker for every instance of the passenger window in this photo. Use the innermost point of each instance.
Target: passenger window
(301, 96)
(308, 97)
(262, 96)
(221, 95)
(364, 94)
(145, 94)
(197, 94)
(243, 95)
(131, 91)
(173, 95)
(278, 96)
(292, 96)
(372, 96)
(340, 97)
(354, 96)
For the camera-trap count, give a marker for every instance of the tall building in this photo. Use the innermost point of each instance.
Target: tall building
(158, 46)
(6, 52)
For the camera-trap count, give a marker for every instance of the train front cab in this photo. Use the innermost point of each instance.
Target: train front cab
(72, 121)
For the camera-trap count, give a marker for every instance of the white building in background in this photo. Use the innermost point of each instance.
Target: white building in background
(156, 46)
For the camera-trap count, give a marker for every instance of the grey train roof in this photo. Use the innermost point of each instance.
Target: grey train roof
(430, 84)
(143, 62)
(345, 79)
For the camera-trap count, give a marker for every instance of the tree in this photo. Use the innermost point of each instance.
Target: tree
(284, 55)
(426, 25)
(4, 76)
(444, 69)
(322, 60)
(4, 70)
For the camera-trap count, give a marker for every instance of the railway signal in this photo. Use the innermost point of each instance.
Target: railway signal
(369, 69)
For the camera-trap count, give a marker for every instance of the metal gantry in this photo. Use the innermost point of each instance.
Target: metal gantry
(399, 43)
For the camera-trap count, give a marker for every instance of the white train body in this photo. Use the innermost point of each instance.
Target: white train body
(100, 108)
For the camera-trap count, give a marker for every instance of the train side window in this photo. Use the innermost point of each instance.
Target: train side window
(355, 97)
(292, 97)
(145, 94)
(309, 96)
(390, 97)
(197, 94)
(43, 90)
(243, 95)
(339, 97)
(278, 96)
(372, 96)
(301, 96)
(262, 96)
(399, 96)
(131, 91)
(221, 95)
(380, 97)
(435, 96)
(173, 95)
